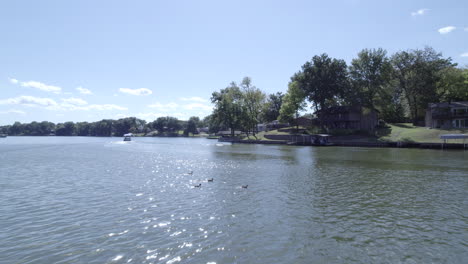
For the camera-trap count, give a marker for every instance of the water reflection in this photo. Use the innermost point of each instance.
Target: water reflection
(96, 202)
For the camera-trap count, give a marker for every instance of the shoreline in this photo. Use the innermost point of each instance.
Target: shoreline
(421, 145)
(401, 144)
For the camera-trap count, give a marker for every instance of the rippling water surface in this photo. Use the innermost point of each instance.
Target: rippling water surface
(100, 200)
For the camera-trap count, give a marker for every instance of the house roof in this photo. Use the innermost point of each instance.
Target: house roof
(447, 105)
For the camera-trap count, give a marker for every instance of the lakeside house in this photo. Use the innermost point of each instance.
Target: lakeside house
(275, 125)
(304, 121)
(349, 117)
(447, 115)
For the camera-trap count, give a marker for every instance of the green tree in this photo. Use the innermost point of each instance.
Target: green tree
(192, 125)
(453, 85)
(253, 100)
(370, 75)
(418, 73)
(83, 129)
(65, 129)
(293, 103)
(228, 110)
(272, 107)
(324, 81)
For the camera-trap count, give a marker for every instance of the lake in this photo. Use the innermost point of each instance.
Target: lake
(102, 200)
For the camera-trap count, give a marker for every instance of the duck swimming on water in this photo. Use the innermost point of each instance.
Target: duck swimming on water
(198, 185)
(245, 186)
(210, 180)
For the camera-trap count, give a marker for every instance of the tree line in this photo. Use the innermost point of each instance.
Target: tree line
(399, 87)
(105, 128)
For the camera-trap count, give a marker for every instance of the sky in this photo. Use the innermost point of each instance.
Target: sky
(89, 60)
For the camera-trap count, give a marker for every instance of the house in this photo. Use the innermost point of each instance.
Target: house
(303, 121)
(276, 125)
(447, 115)
(349, 117)
(261, 127)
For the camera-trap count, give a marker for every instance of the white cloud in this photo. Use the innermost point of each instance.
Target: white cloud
(68, 104)
(194, 99)
(84, 90)
(466, 29)
(164, 107)
(198, 106)
(464, 54)
(420, 12)
(14, 81)
(446, 30)
(38, 85)
(13, 111)
(139, 91)
(29, 101)
(104, 107)
(74, 101)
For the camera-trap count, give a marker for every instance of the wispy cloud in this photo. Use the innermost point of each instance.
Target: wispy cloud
(29, 101)
(74, 101)
(139, 91)
(13, 111)
(464, 54)
(164, 107)
(84, 90)
(102, 107)
(420, 12)
(194, 99)
(67, 104)
(466, 29)
(13, 81)
(446, 30)
(37, 85)
(197, 106)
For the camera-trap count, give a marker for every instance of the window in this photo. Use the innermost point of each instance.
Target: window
(460, 123)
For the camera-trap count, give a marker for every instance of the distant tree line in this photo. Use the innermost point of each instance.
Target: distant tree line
(105, 128)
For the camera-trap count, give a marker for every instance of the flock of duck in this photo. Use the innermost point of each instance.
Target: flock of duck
(211, 180)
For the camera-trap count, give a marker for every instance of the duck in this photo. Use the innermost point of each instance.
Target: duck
(210, 180)
(198, 185)
(245, 186)
(190, 173)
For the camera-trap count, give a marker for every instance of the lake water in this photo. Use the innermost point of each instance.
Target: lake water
(100, 200)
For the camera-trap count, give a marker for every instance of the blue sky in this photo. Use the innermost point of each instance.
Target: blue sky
(89, 60)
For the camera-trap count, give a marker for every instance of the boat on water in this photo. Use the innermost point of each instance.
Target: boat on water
(128, 137)
(3, 135)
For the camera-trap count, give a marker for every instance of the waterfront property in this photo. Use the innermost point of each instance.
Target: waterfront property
(447, 115)
(349, 117)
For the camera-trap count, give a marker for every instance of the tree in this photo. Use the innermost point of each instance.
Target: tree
(453, 85)
(83, 129)
(228, 110)
(192, 125)
(101, 128)
(272, 107)
(324, 81)
(65, 129)
(253, 100)
(293, 102)
(418, 73)
(370, 75)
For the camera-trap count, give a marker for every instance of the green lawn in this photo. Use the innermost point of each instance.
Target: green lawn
(408, 132)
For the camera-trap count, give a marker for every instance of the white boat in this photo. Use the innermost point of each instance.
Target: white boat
(128, 137)
(3, 135)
